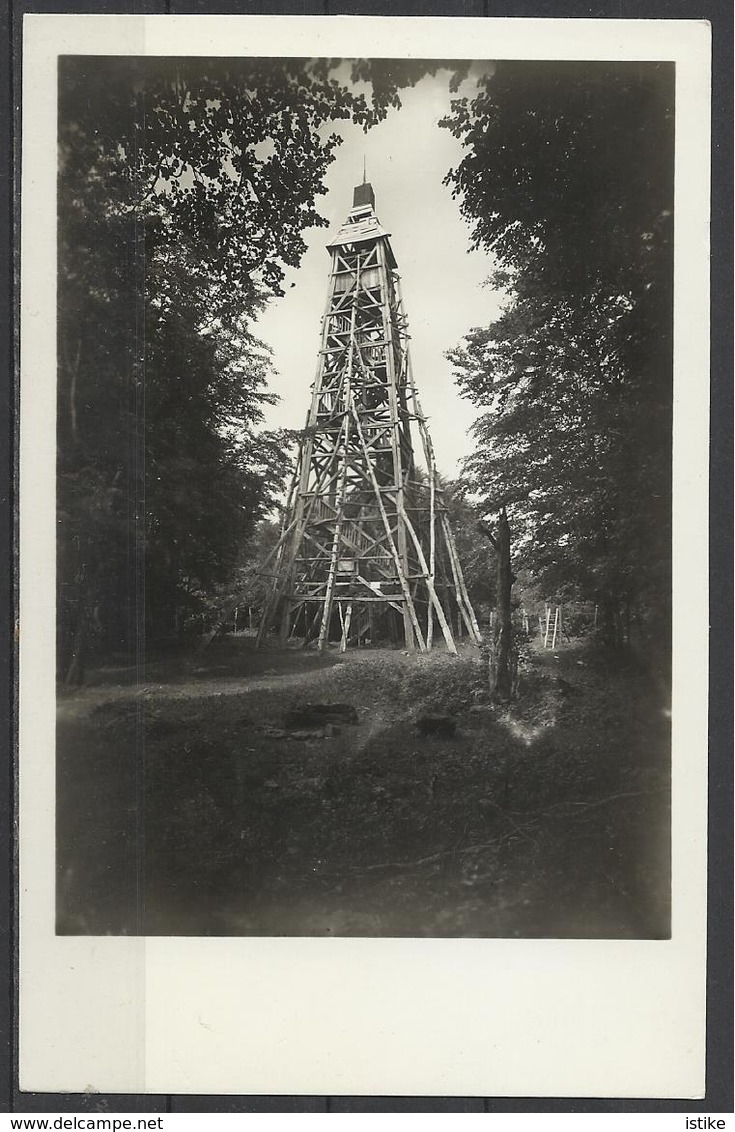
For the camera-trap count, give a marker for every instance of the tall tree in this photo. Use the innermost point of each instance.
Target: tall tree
(184, 189)
(503, 658)
(568, 179)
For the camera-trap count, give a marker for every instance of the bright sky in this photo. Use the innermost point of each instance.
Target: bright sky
(406, 157)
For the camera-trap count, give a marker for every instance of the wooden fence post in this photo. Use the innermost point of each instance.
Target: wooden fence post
(556, 626)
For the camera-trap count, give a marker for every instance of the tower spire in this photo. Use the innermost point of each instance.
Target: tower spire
(366, 552)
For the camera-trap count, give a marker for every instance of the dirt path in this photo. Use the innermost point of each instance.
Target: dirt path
(87, 700)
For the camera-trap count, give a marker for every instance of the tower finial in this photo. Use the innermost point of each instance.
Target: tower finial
(364, 174)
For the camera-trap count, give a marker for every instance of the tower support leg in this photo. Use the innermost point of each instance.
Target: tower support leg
(408, 637)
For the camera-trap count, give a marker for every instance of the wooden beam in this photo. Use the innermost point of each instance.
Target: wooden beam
(446, 630)
(408, 609)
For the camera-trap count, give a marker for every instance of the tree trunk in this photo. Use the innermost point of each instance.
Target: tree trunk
(503, 679)
(503, 662)
(613, 622)
(77, 661)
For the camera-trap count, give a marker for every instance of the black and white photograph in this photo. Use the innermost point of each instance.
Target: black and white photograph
(364, 458)
(404, 668)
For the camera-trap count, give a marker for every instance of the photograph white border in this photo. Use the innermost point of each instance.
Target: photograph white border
(464, 1017)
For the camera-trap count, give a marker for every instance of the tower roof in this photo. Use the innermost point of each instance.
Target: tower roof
(361, 224)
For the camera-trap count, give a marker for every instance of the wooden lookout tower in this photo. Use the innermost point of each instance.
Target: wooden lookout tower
(366, 552)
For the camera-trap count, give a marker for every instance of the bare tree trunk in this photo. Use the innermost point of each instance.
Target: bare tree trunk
(614, 620)
(74, 675)
(503, 665)
(75, 671)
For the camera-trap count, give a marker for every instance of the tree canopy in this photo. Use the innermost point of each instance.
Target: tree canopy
(185, 186)
(184, 189)
(568, 179)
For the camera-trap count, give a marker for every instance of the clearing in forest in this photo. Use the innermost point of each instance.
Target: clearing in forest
(187, 806)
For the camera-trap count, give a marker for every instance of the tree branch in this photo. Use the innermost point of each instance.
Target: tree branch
(485, 530)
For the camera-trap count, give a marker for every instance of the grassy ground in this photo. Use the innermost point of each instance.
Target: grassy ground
(183, 809)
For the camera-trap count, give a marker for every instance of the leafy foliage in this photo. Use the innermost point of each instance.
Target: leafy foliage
(567, 178)
(184, 189)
